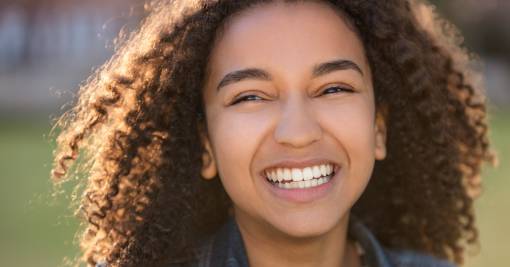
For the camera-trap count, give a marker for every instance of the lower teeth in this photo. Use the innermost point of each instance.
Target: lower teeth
(304, 184)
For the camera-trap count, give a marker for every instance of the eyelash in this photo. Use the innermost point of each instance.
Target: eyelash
(244, 98)
(342, 88)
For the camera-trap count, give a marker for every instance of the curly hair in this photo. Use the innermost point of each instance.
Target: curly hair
(138, 121)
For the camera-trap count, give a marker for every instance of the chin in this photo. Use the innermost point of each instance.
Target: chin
(308, 227)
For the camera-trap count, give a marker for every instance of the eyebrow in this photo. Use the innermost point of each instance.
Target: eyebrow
(260, 74)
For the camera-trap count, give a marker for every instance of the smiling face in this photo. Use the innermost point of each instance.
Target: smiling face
(289, 90)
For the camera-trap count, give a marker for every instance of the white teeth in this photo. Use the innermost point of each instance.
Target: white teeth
(287, 175)
(316, 172)
(307, 173)
(304, 184)
(271, 175)
(297, 175)
(279, 175)
(324, 170)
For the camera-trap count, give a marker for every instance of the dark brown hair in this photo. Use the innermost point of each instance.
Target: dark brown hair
(138, 119)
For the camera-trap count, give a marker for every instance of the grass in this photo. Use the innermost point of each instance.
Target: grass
(38, 230)
(493, 206)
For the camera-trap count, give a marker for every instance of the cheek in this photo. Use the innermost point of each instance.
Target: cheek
(352, 128)
(350, 125)
(236, 137)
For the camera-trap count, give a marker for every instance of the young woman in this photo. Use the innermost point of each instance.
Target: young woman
(280, 133)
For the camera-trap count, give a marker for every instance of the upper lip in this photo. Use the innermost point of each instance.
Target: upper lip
(300, 164)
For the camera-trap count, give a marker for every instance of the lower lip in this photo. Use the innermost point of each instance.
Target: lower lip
(303, 195)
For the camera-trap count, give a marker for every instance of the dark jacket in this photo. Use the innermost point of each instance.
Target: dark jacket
(226, 249)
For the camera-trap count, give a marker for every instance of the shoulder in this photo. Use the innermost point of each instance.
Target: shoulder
(380, 256)
(409, 258)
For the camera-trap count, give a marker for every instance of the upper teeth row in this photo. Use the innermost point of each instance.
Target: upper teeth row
(297, 174)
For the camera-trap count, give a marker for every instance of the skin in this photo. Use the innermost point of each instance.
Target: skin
(293, 115)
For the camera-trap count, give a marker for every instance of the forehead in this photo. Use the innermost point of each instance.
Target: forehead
(287, 36)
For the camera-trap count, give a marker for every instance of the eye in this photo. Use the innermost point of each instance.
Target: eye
(335, 89)
(245, 98)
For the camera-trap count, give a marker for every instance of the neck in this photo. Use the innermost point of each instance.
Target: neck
(266, 246)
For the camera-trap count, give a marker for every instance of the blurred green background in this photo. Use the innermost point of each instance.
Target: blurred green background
(48, 47)
(37, 229)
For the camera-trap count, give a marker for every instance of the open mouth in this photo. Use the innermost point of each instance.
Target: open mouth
(295, 178)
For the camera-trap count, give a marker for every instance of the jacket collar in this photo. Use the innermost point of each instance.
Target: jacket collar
(374, 252)
(226, 247)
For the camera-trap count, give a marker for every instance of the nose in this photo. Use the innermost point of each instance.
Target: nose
(297, 125)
